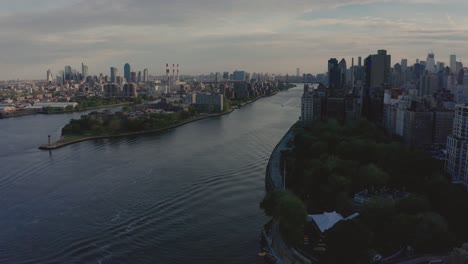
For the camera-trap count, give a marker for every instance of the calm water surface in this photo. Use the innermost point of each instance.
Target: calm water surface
(189, 195)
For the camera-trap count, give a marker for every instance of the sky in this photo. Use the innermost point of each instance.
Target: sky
(203, 36)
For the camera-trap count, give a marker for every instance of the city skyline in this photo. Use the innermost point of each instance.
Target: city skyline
(299, 34)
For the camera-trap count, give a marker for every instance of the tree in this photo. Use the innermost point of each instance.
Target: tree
(289, 211)
(371, 175)
(347, 242)
(413, 204)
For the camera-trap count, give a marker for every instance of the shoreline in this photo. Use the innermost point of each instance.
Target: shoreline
(58, 144)
(64, 112)
(85, 109)
(274, 181)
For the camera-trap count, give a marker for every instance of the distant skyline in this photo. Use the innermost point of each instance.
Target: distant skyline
(203, 36)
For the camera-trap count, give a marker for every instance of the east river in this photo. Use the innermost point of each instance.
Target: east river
(188, 195)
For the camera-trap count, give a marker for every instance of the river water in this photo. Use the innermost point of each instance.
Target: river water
(188, 195)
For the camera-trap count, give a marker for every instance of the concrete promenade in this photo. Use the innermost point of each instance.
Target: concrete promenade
(274, 181)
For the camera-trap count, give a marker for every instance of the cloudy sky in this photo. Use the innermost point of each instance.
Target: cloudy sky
(275, 36)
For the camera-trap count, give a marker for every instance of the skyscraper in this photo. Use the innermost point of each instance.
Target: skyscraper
(145, 75)
(84, 71)
(298, 72)
(113, 74)
(127, 72)
(430, 62)
(334, 74)
(140, 77)
(404, 65)
(50, 78)
(343, 68)
(378, 69)
(453, 63)
(68, 75)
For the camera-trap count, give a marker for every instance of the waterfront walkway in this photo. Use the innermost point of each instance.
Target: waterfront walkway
(274, 176)
(274, 181)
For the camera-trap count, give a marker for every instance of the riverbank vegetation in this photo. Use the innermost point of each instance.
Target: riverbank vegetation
(331, 162)
(290, 212)
(115, 125)
(94, 101)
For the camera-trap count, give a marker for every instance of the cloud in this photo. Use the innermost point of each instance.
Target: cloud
(204, 35)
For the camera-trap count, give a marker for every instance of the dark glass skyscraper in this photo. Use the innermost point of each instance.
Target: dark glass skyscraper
(127, 72)
(334, 74)
(68, 75)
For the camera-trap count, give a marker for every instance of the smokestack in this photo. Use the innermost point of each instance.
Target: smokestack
(173, 73)
(177, 72)
(167, 74)
(352, 72)
(359, 61)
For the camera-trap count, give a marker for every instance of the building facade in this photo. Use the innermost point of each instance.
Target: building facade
(457, 146)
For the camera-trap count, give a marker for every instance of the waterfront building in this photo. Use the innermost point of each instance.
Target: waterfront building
(310, 107)
(241, 90)
(127, 72)
(457, 146)
(205, 102)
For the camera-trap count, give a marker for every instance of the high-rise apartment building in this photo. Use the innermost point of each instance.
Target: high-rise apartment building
(310, 107)
(457, 146)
